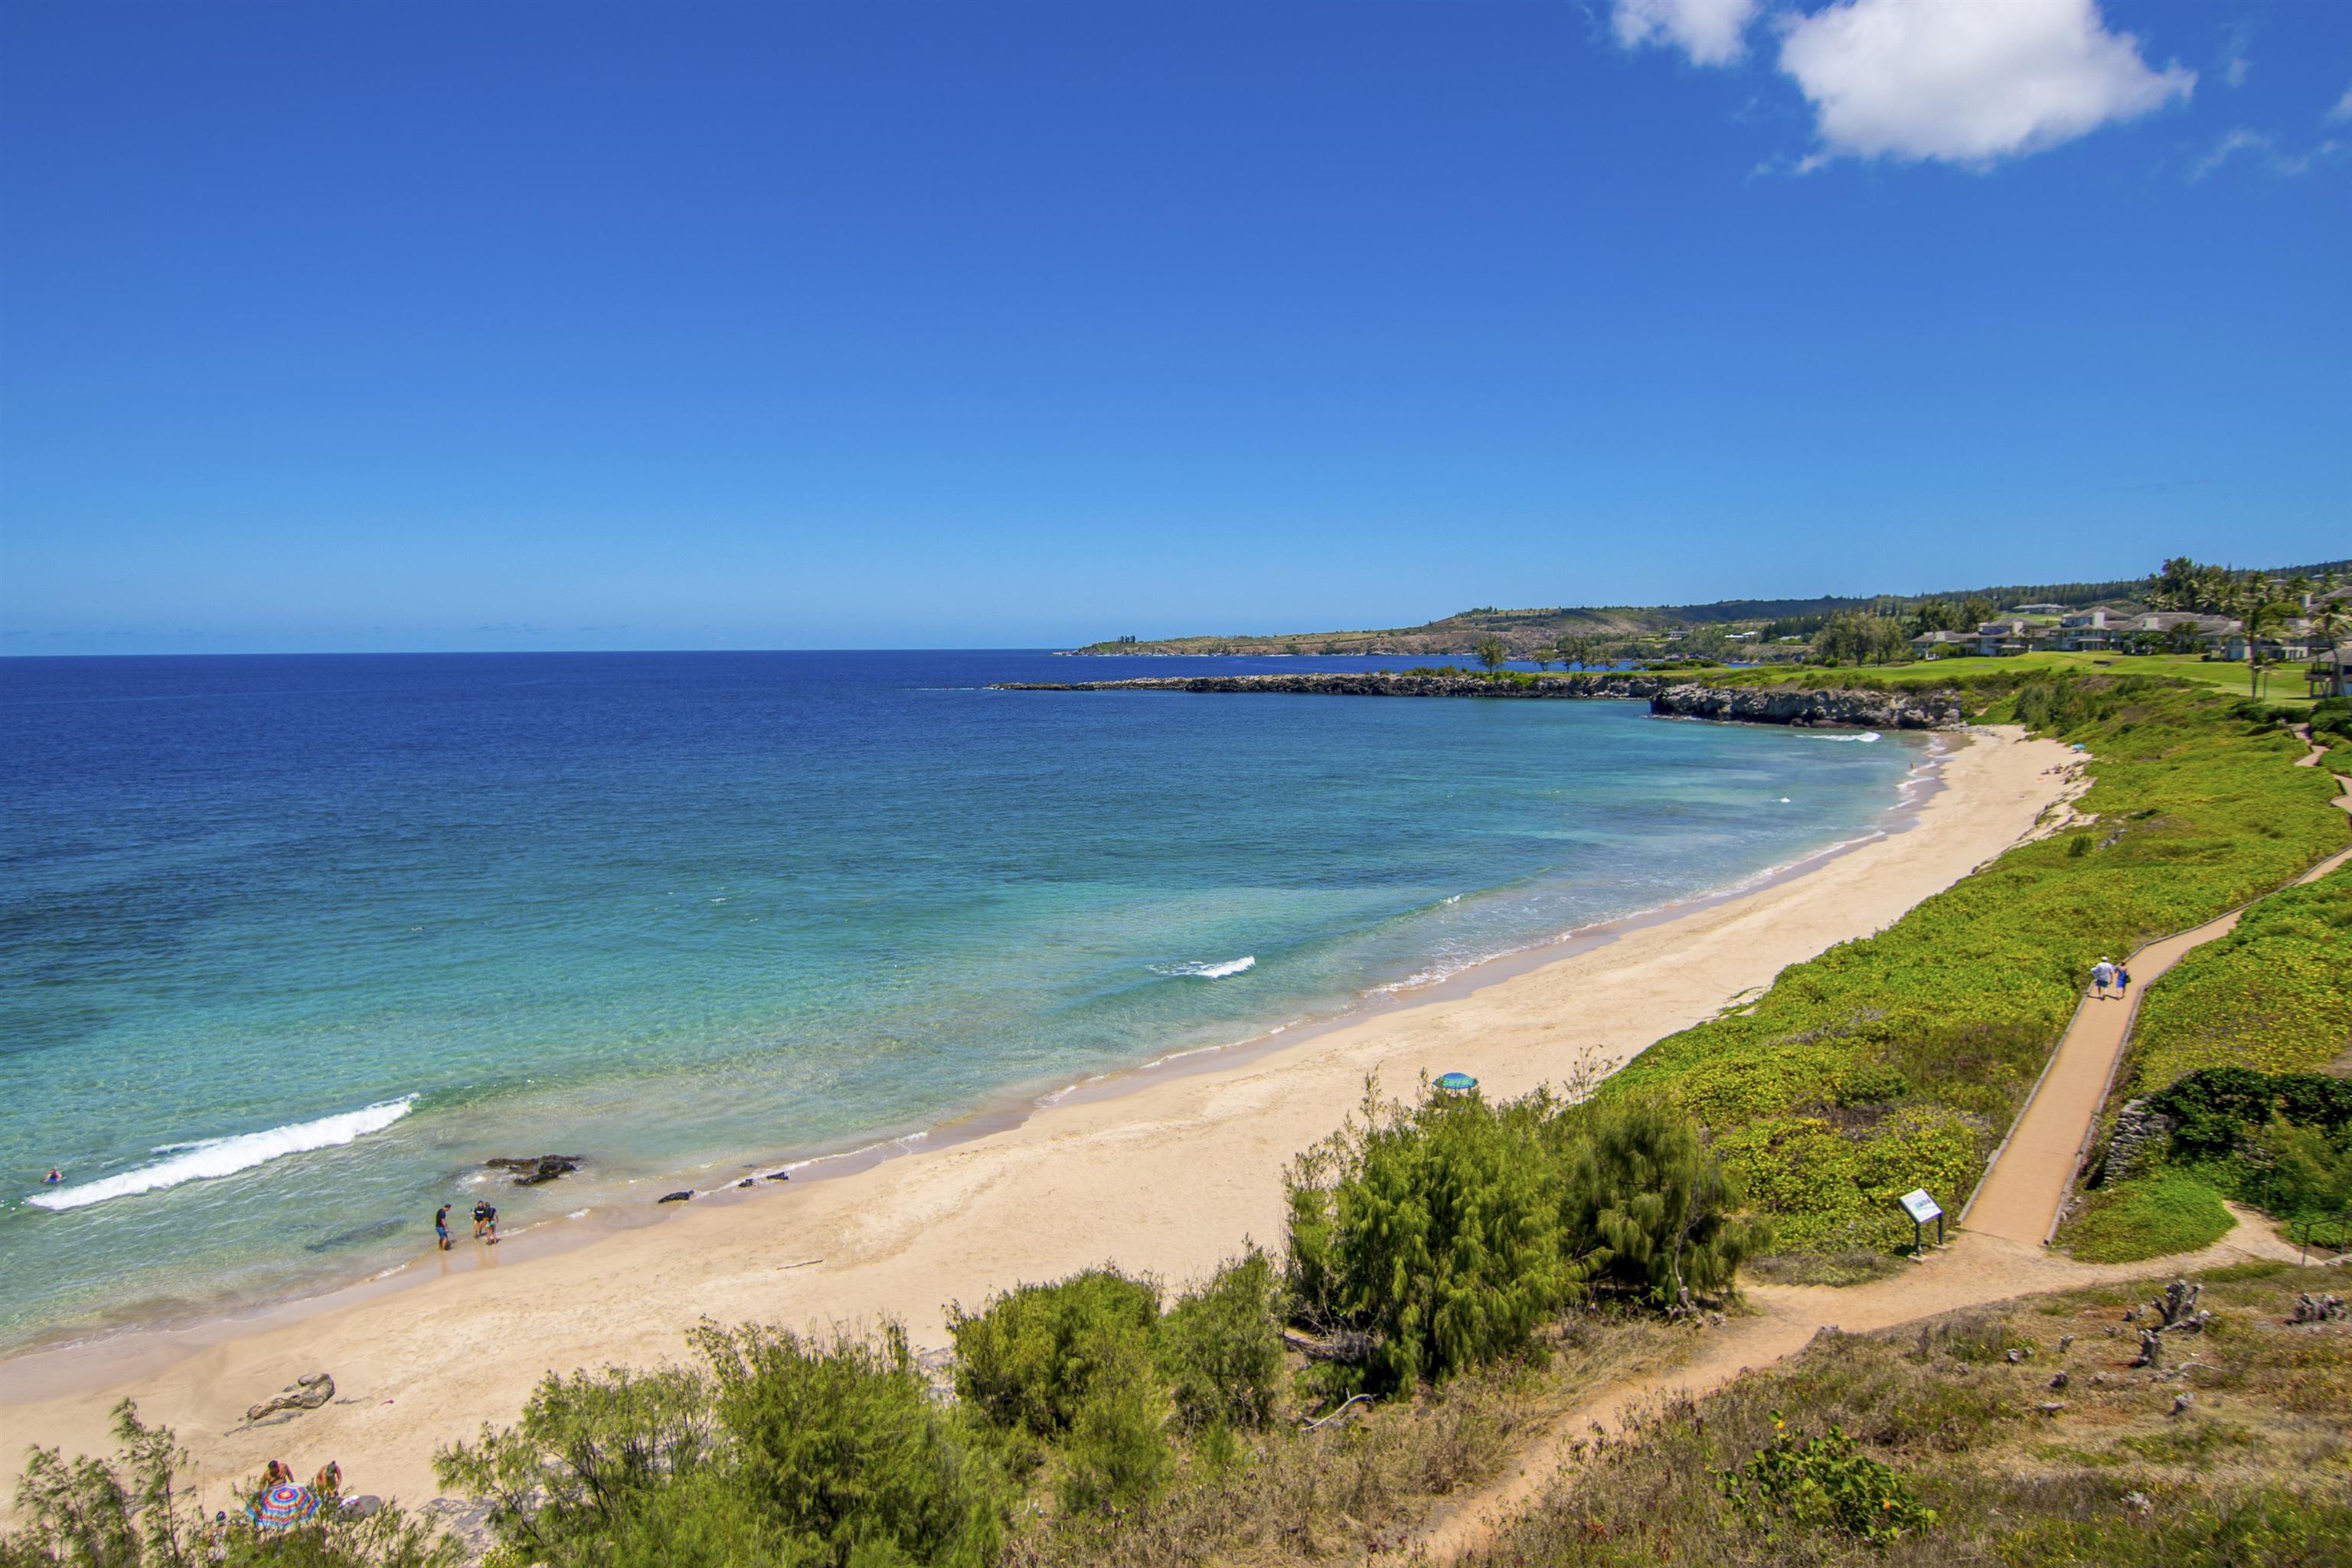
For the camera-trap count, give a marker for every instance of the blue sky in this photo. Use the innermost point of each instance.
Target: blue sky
(387, 326)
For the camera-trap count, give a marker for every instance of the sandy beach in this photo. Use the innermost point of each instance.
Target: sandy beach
(1169, 1177)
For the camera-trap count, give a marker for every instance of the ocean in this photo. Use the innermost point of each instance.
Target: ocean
(289, 945)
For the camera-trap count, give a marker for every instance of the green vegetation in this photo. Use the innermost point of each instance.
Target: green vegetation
(1822, 1484)
(2160, 1215)
(1443, 1236)
(1927, 1446)
(1475, 1265)
(140, 1509)
(777, 1449)
(1898, 1061)
(2233, 1048)
(1091, 1365)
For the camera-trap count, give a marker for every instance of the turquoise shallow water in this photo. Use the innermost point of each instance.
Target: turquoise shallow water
(289, 945)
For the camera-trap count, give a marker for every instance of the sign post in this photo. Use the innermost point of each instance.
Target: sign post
(1922, 1208)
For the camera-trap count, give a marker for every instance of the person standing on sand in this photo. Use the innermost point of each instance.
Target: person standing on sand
(2102, 974)
(486, 1220)
(441, 1226)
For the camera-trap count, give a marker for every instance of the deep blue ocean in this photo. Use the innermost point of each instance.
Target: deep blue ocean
(289, 945)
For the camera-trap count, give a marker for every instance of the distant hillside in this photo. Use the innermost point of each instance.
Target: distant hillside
(1528, 630)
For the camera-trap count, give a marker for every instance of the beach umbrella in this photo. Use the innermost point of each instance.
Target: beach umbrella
(1456, 1082)
(284, 1506)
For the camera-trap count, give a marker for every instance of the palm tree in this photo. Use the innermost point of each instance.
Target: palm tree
(1492, 651)
(2258, 612)
(2331, 619)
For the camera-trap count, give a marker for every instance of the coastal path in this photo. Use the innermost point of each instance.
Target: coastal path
(2001, 1253)
(2023, 1192)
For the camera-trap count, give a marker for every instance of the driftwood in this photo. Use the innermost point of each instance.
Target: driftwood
(1347, 1345)
(1326, 1421)
(303, 1393)
(2177, 1307)
(2317, 1308)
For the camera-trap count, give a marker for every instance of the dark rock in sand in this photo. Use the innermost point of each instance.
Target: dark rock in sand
(745, 1182)
(778, 1176)
(682, 1196)
(306, 1393)
(533, 1169)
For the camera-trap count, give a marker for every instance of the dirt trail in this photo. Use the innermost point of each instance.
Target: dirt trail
(2000, 1255)
(1975, 1270)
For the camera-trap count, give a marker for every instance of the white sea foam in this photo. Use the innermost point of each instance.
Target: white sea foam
(216, 1157)
(1212, 971)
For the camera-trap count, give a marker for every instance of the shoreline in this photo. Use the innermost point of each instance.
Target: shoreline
(604, 1214)
(1168, 1170)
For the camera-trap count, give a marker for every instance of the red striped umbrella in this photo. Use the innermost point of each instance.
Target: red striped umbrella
(284, 1506)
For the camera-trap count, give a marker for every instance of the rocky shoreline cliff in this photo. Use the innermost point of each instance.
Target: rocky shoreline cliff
(1669, 696)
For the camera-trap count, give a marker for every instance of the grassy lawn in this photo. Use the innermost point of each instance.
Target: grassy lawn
(2283, 683)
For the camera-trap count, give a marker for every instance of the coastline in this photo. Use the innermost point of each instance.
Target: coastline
(1168, 1173)
(148, 1322)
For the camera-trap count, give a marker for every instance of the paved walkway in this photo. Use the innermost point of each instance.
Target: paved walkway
(2001, 1253)
(2020, 1196)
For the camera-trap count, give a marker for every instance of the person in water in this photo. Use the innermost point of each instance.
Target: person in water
(53, 1178)
(486, 1220)
(441, 1226)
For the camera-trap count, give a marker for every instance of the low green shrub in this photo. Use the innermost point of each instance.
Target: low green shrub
(2159, 1215)
(1646, 1207)
(1434, 1229)
(2214, 1111)
(1030, 1356)
(780, 1450)
(1221, 1347)
(1822, 1482)
(1444, 1233)
(1116, 1452)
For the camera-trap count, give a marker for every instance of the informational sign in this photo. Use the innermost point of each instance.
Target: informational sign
(1920, 1206)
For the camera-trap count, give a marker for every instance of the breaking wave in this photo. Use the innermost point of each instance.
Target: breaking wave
(1212, 971)
(216, 1157)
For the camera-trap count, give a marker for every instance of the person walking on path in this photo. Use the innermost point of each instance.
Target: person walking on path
(2102, 974)
(2123, 980)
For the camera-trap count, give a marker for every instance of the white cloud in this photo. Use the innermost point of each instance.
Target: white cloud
(2236, 40)
(2231, 143)
(1709, 31)
(1966, 81)
(2269, 157)
(2342, 109)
